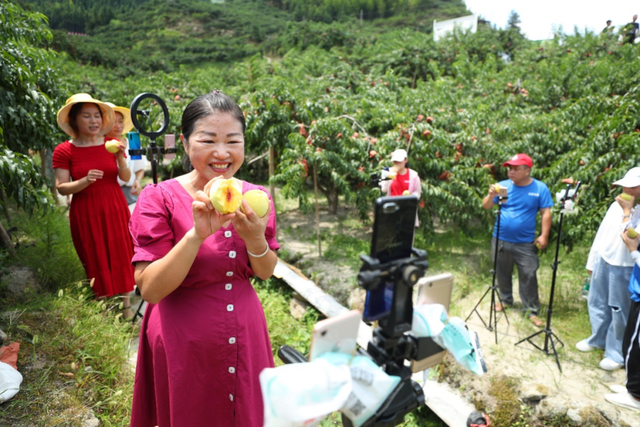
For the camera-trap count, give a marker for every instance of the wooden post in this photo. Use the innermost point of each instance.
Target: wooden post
(315, 187)
(272, 171)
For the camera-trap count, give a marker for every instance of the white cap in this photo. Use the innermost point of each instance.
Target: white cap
(631, 179)
(399, 156)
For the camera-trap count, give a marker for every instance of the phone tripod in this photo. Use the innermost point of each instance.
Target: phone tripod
(549, 336)
(492, 325)
(153, 152)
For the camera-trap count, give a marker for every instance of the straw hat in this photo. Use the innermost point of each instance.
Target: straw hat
(108, 116)
(126, 113)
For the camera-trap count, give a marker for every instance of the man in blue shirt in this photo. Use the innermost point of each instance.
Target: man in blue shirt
(518, 244)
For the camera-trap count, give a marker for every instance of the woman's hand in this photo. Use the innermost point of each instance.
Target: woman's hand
(121, 154)
(251, 228)
(632, 244)
(206, 219)
(136, 187)
(626, 205)
(94, 175)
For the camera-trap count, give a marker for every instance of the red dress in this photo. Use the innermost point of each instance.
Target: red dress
(203, 346)
(99, 217)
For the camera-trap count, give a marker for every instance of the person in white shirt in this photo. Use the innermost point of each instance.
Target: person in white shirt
(610, 264)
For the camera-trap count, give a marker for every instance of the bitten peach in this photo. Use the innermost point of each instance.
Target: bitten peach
(226, 195)
(627, 197)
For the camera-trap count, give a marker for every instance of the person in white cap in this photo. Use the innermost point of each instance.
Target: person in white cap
(404, 181)
(518, 243)
(629, 396)
(610, 265)
(123, 124)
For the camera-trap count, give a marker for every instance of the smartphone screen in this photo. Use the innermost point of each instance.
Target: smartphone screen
(393, 231)
(169, 142)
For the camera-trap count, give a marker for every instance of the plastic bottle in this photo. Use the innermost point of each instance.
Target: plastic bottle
(585, 287)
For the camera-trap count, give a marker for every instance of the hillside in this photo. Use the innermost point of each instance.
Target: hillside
(163, 35)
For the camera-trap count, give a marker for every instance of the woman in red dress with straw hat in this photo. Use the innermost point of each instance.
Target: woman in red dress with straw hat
(98, 215)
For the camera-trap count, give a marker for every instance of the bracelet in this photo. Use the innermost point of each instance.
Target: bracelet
(626, 216)
(124, 167)
(261, 255)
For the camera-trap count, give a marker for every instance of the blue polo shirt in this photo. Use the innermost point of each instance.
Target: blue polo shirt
(519, 212)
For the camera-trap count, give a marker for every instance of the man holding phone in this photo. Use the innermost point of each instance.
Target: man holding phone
(518, 245)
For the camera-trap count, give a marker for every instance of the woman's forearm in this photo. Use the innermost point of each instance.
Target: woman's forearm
(72, 187)
(158, 279)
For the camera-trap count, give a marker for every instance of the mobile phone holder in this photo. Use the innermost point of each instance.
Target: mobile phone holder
(550, 339)
(392, 343)
(492, 324)
(153, 152)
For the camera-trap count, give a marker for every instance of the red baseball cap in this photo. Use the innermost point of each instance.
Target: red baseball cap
(519, 159)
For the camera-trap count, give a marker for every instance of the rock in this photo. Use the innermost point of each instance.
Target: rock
(574, 416)
(298, 308)
(89, 419)
(21, 282)
(551, 408)
(532, 394)
(608, 412)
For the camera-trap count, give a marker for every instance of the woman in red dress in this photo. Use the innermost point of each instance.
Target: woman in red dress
(98, 215)
(204, 339)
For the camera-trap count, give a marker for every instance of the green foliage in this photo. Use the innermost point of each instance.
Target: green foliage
(27, 114)
(47, 249)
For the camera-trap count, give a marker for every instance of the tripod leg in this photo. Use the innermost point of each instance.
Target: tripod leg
(555, 353)
(475, 309)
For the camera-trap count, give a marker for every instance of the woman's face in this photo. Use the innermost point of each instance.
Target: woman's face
(89, 120)
(216, 146)
(118, 127)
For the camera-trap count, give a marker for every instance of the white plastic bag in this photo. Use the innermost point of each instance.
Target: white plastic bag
(301, 394)
(10, 380)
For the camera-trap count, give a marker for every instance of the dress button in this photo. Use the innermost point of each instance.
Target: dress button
(228, 286)
(231, 397)
(232, 254)
(227, 234)
(229, 273)
(230, 307)
(232, 370)
(232, 340)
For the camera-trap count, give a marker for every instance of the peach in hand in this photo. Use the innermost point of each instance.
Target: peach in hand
(112, 146)
(258, 200)
(226, 195)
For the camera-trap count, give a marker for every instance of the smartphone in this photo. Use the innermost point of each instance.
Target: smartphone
(169, 142)
(433, 290)
(336, 334)
(134, 144)
(393, 232)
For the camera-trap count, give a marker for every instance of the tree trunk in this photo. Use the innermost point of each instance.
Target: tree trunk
(46, 170)
(5, 240)
(3, 197)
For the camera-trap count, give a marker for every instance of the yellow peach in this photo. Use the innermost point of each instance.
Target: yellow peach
(258, 200)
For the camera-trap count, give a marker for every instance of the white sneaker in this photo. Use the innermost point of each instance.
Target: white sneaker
(610, 365)
(616, 388)
(584, 346)
(624, 400)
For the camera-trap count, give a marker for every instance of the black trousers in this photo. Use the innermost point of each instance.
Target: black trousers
(631, 350)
